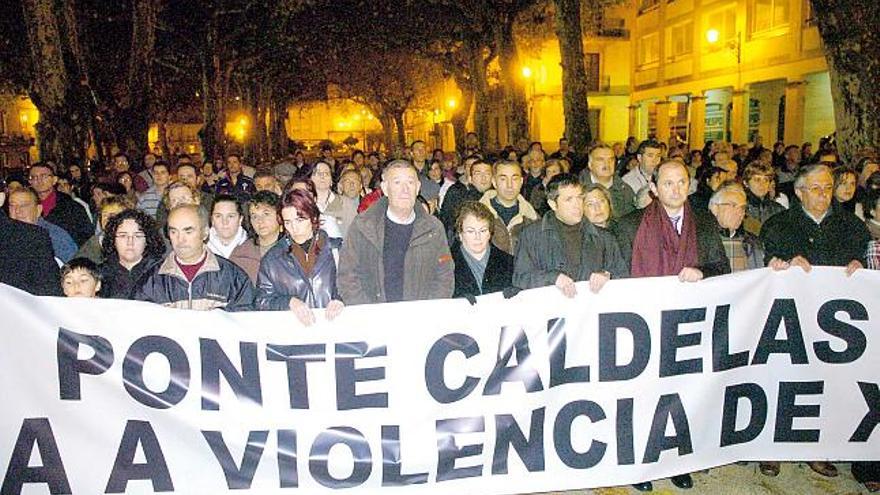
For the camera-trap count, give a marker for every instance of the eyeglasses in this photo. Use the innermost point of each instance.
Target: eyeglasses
(140, 236)
(817, 189)
(476, 232)
(733, 205)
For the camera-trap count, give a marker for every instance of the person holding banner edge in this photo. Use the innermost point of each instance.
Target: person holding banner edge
(669, 237)
(816, 233)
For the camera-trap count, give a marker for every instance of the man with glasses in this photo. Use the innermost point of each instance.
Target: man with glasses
(57, 207)
(815, 232)
(743, 249)
(563, 248)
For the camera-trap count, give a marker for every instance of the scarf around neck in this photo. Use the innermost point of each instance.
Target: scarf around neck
(658, 249)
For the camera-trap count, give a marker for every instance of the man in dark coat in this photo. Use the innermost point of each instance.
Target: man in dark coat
(815, 232)
(669, 237)
(649, 253)
(563, 247)
(191, 276)
(26, 259)
(59, 208)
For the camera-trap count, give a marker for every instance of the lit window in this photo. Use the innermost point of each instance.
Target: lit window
(768, 15)
(681, 39)
(649, 49)
(724, 22)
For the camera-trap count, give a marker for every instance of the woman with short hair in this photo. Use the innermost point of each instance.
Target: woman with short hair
(480, 267)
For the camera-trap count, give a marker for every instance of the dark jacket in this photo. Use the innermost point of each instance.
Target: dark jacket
(758, 211)
(27, 261)
(428, 267)
(540, 255)
(457, 194)
(70, 216)
(218, 284)
(623, 199)
(281, 277)
(711, 258)
(117, 282)
(839, 239)
(497, 277)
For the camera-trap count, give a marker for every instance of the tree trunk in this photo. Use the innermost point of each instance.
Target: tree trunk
(260, 133)
(480, 86)
(574, 76)
(849, 32)
(63, 127)
(387, 129)
(461, 114)
(212, 110)
(277, 130)
(514, 92)
(134, 123)
(401, 130)
(163, 137)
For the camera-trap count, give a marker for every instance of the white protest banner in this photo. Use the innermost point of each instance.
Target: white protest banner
(647, 379)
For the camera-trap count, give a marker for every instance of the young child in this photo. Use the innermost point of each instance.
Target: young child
(80, 278)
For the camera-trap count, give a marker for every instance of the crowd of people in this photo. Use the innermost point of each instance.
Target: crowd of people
(323, 232)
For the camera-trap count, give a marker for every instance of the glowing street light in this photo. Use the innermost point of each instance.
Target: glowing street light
(451, 103)
(527, 72)
(712, 36)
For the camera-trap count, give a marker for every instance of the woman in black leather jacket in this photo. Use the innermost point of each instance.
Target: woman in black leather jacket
(299, 272)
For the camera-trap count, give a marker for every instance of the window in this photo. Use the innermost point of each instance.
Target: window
(681, 39)
(723, 21)
(649, 49)
(768, 15)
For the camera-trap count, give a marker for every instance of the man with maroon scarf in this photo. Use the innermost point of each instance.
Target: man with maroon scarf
(671, 238)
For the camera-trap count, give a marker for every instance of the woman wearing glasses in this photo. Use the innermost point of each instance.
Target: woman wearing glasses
(480, 267)
(132, 249)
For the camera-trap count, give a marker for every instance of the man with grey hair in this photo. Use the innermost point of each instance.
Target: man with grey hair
(191, 276)
(395, 251)
(743, 249)
(815, 232)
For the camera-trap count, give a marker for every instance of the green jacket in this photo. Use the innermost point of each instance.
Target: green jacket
(429, 272)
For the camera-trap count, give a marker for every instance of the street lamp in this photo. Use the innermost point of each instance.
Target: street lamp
(451, 103)
(713, 36)
(527, 72)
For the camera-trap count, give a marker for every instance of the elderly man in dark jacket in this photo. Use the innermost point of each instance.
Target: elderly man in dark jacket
(395, 251)
(815, 232)
(192, 277)
(563, 248)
